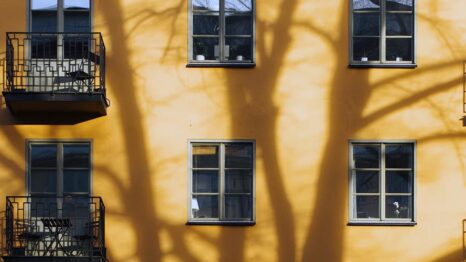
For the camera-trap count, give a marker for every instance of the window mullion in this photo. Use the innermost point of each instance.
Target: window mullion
(221, 199)
(383, 27)
(221, 40)
(382, 181)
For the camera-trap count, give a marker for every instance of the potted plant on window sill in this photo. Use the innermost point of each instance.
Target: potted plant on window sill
(200, 51)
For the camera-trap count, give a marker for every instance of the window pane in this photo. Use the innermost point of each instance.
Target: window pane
(43, 206)
(76, 206)
(204, 48)
(205, 156)
(238, 48)
(77, 4)
(238, 156)
(44, 181)
(399, 182)
(238, 5)
(399, 49)
(399, 5)
(76, 48)
(367, 182)
(399, 156)
(77, 22)
(366, 24)
(366, 156)
(366, 49)
(238, 206)
(206, 24)
(365, 5)
(205, 181)
(44, 5)
(44, 47)
(238, 24)
(44, 156)
(76, 156)
(75, 181)
(367, 207)
(399, 24)
(204, 206)
(238, 181)
(212, 5)
(398, 207)
(44, 21)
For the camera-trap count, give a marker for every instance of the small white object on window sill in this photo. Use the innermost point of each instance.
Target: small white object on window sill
(200, 57)
(364, 59)
(399, 59)
(239, 58)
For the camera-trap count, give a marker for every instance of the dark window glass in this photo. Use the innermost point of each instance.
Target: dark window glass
(398, 182)
(75, 206)
(238, 24)
(366, 156)
(398, 207)
(76, 156)
(399, 156)
(238, 48)
(399, 5)
(205, 181)
(367, 182)
(366, 24)
(399, 24)
(238, 181)
(76, 181)
(238, 156)
(43, 156)
(367, 206)
(205, 156)
(366, 49)
(206, 24)
(205, 48)
(205, 206)
(238, 206)
(42, 206)
(44, 181)
(77, 22)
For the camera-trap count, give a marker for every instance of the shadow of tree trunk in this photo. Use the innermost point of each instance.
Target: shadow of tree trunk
(139, 201)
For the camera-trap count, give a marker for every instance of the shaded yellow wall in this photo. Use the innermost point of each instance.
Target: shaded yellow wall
(301, 103)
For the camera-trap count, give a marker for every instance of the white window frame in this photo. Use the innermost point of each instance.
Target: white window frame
(220, 220)
(353, 220)
(382, 62)
(221, 62)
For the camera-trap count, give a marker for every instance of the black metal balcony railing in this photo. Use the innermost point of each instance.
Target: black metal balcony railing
(55, 227)
(54, 62)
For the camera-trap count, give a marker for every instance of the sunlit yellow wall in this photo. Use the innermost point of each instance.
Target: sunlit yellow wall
(301, 103)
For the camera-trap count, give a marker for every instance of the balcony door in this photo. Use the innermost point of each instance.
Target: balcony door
(59, 178)
(59, 39)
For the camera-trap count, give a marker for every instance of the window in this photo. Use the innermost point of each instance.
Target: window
(382, 33)
(382, 177)
(221, 182)
(48, 17)
(57, 170)
(221, 33)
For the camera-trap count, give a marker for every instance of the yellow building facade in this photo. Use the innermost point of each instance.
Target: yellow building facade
(303, 107)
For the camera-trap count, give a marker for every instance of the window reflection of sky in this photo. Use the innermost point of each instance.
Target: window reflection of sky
(52, 4)
(230, 5)
(364, 4)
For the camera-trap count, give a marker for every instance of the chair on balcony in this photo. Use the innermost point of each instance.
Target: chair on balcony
(30, 237)
(79, 75)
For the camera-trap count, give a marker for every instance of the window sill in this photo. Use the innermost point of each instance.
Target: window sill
(225, 65)
(221, 223)
(382, 223)
(387, 65)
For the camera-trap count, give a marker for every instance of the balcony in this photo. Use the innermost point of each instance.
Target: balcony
(65, 228)
(55, 74)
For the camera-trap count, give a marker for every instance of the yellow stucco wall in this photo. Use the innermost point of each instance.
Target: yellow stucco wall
(301, 103)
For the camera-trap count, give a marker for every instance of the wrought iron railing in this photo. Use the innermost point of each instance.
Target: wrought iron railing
(70, 226)
(54, 63)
